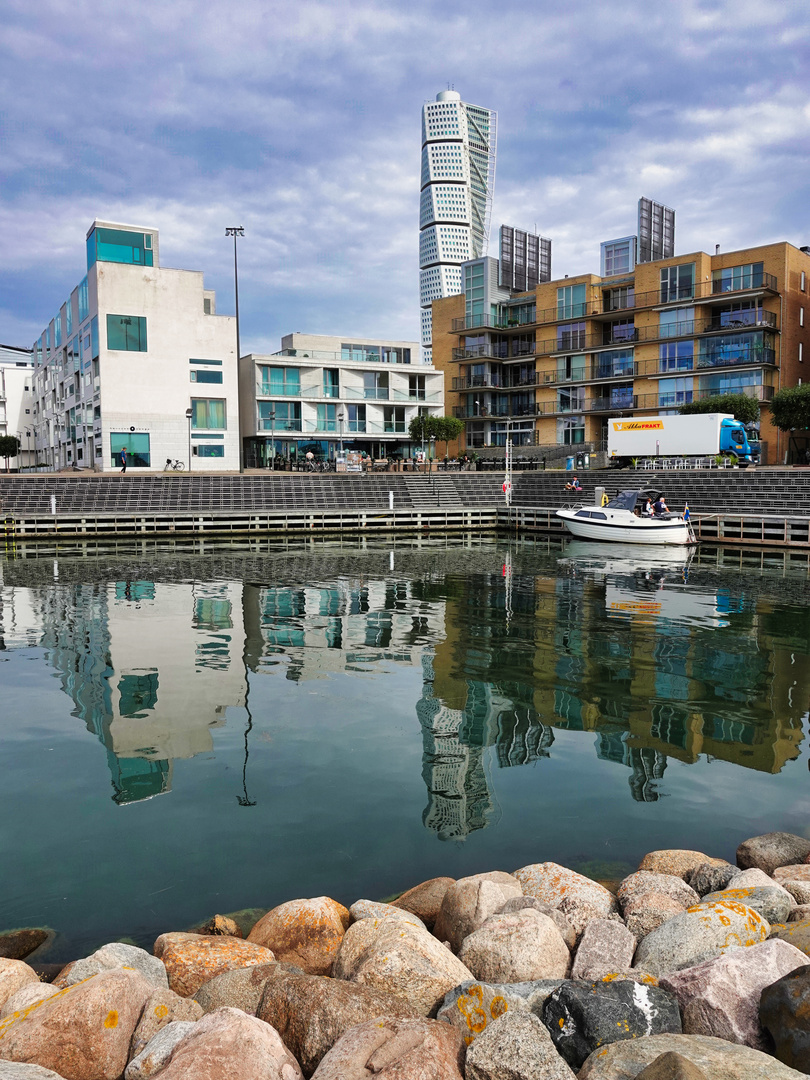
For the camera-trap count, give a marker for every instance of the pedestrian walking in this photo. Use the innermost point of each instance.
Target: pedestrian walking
(123, 459)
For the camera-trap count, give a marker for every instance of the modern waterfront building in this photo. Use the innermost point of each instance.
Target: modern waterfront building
(16, 402)
(136, 358)
(458, 177)
(319, 393)
(553, 363)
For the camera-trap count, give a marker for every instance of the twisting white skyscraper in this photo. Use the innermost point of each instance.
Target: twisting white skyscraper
(458, 176)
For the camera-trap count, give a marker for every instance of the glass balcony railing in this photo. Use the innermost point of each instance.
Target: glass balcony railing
(283, 389)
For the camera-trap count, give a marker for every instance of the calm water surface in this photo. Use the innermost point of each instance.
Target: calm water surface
(187, 732)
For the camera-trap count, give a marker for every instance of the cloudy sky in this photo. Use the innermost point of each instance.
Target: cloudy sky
(301, 121)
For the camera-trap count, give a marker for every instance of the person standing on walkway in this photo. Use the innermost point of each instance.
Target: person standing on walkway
(123, 459)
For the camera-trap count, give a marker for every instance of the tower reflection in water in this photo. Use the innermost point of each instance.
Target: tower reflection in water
(652, 663)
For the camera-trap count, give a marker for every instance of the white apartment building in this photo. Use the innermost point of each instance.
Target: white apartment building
(16, 403)
(458, 178)
(319, 392)
(136, 358)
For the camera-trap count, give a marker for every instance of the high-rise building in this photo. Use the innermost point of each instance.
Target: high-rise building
(458, 176)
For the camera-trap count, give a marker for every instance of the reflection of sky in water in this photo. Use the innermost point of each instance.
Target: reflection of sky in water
(316, 738)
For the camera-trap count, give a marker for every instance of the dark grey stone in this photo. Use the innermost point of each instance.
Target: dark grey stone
(784, 1008)
(581, 1016)
(707, 878)
(771, 850)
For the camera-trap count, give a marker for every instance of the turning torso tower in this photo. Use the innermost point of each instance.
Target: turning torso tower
(458, 176)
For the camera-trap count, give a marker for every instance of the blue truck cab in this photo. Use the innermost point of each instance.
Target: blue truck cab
(734, 439)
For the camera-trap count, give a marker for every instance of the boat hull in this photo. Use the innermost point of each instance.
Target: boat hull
(634, 531)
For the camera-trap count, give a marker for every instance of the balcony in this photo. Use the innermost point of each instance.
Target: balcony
(684, 365)
(489, 350)
(278, 426)
(278, 389)
(475, 382)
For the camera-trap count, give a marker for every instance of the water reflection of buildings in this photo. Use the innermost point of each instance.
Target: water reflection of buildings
(150, 668)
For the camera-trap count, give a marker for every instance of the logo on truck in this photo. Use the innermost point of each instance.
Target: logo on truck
(638, 425)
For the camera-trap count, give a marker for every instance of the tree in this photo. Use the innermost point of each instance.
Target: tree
(740, 406)
(790, 408)
(9, 447)
(421, 428)
(448, 428)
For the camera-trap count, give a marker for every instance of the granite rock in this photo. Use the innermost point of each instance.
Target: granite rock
(516, 948)
(721, 996)
(718, 1059)
(646, 882)
(389, 1048)
(707, 878)
(16, 1070)
(192, 959)
(84, 1031)
(14, 975)
(163, 1007)
(784, 1009)
(517, 1046)
(158, 1050)
(115, 955)
(798, 934)
(582, 1016)
(311, 1012)
(647, 912)
(219, 926)
(606, 946)
(671, 1066)
(27, 995)
(304, 932)
(553, 883)
(800, 913)
(699, 934)
(370, 909)
(398, 958)
(471, 1007)
(240, 988)
(425, 900)
(17, 944)
(772, 903)
(521, 903)
(677, 861)
(747, 879)
(771, 850)
(470, 901)
(800, 872)
(799, 890)
(230, 1045)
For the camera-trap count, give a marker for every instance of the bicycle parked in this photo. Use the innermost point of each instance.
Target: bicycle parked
(177, 465)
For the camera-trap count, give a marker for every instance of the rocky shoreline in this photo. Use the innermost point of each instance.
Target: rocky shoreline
(690, 969)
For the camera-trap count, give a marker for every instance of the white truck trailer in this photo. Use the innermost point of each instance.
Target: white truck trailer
(697, 435)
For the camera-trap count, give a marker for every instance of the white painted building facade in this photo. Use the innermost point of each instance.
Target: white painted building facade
(319, 392)
(16, 403)
(136, 358)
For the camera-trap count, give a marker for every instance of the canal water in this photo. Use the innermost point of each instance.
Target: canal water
(188, 731)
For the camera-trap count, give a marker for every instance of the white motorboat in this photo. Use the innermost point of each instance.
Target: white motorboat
(621, 520)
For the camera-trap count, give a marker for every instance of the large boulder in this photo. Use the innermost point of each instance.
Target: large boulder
(115, 955)
(157, 1051)
(229, 1043)
(311, 1012)
(218, 926)
(82, 1033)
(579, 898)
(27, 995)
(606, 946)
(470, 901)
(699, 934)
(240, 988)
(784, 1009)
(398, 958)
(800, 872)
(718, 1059)
(678, 861)
(17, 944)
(721, 996)
(799, 890)
(515, 1047)
(192, 959)
(648, 911)
(307, 933)
(649, 899)
(14, 975)
(771, 850)
(582, 1016)
(164, 1007)
(707, 878)
(425, 900)
(15, 1070)
(516, 948)
(471, 1007)
(522, 902)
(772, 902)
(671, 1066)
(796, 933)
(371, 909)
(390, 1048)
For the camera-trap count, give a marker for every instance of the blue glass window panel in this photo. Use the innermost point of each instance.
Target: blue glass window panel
(118, 246)
(84, 300)
(136, 444)
(206, 376)
(208, 413)
(205, 450)
(126, 333)
(68, 318)
(57, 331)
(94, 338)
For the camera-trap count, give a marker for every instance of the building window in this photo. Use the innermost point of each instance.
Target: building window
(677, 322)
(571, 399)
(733, 278)
(69, 318)
(84, 301)
(571, 336)
(801, 316)
(331, 382)
(615, 362)
(803, 281)
(394, 418)
(279, 381)
(800, 352)
(136, 445)
(94, 350)
(209, 450)
(279, 416)
(327, 417)
(753, 348)
(674, 392)
(57, 331)
(570, 301)
(618, 256)
(201, 373)
(617, 299)
(375, 385)
(356, 417)
(677, 283)
(416, 387)
(358, 354)
(208, 413)
(676, 356)
(119, 246)
(126, 333)
(206, 305)
(571, 430)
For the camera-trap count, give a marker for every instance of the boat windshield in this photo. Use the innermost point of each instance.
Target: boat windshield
(625, 500)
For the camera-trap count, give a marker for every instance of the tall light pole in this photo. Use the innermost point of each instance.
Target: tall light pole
(340, 421)
(234, 231)
(189, 414)
(273, 438)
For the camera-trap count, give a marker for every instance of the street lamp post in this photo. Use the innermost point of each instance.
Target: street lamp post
(340, 421)
(189, 414)
(28, 445)
(273, 439)
(234, 231)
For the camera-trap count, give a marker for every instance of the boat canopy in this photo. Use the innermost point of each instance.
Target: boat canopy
(628, 500)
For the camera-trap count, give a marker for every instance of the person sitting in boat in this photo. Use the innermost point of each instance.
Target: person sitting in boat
(661, 507)
(574, 485)
(647, 508)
